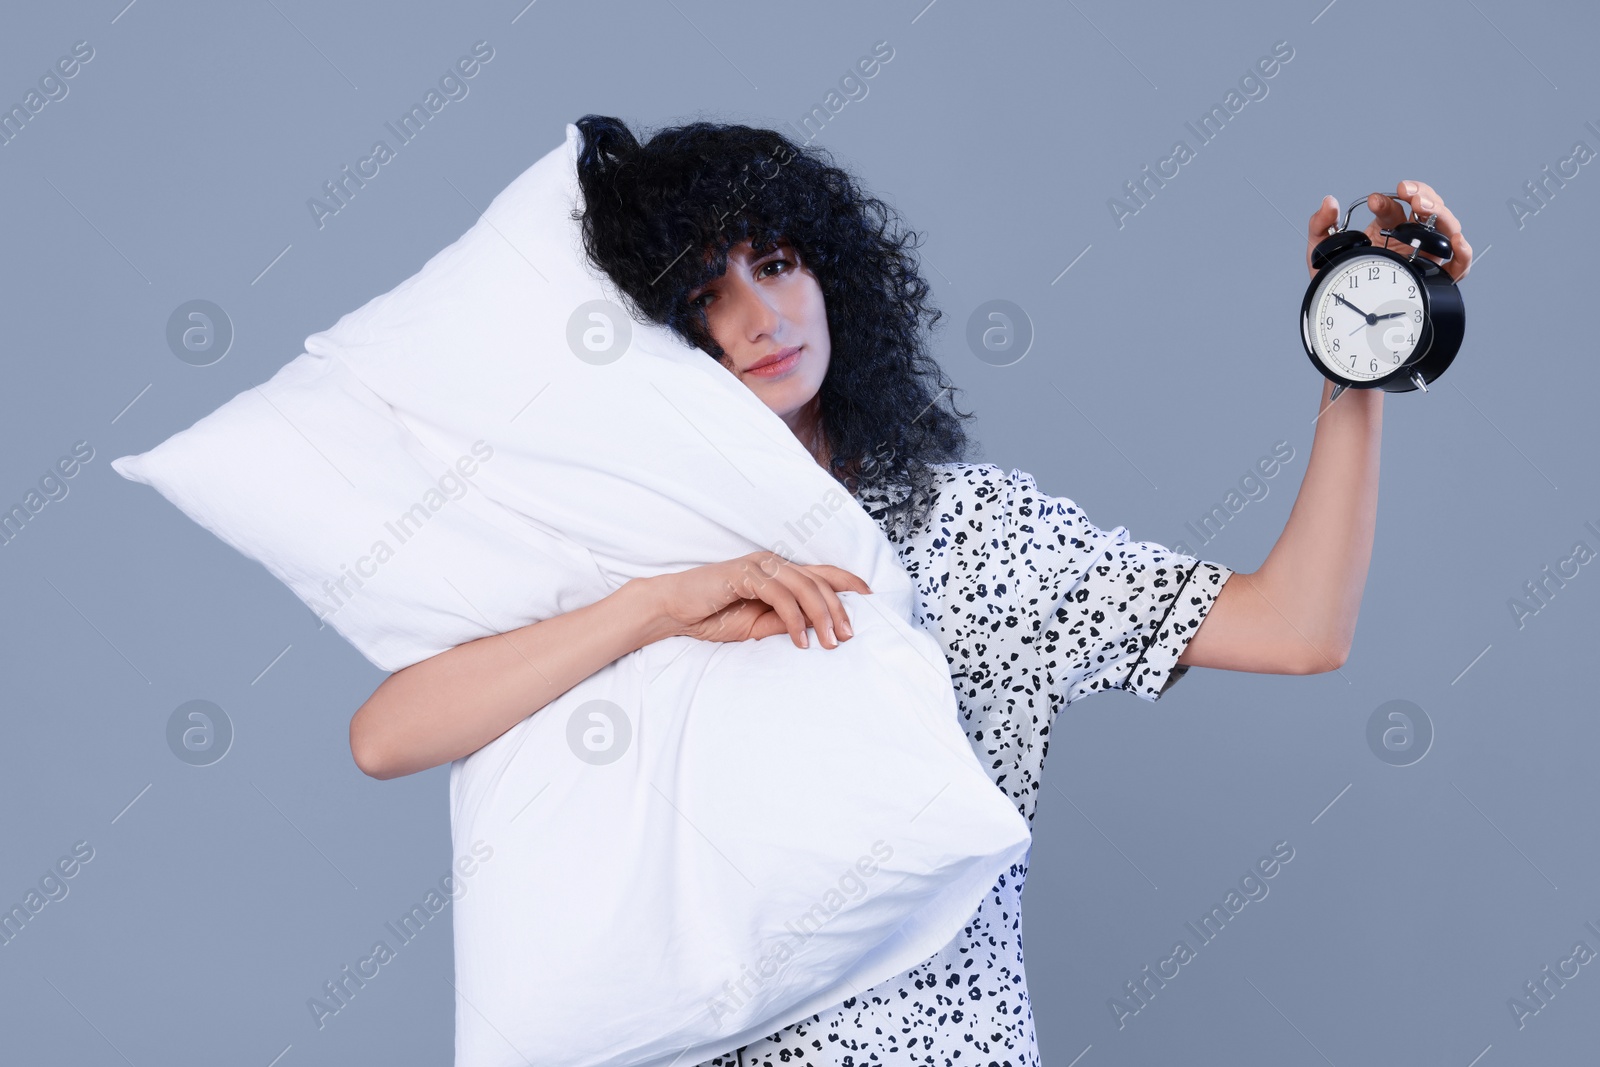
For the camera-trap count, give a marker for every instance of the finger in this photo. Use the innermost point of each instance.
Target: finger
(1425, 201)
(807, 589)
(787, 608)
(767, 625)
(758, 621)
(1422, 196)
(1429, 202)
(1326, 215)
(1324, 219)
(839, 577)
(1447, 223)
(1387, 214)
(839, 620)
(1461, 262)
(754, 583)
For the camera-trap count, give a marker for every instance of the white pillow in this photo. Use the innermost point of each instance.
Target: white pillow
(310, 474)
(702, 842)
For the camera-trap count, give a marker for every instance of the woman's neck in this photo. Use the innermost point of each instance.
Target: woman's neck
(808, 428)
(806, 424)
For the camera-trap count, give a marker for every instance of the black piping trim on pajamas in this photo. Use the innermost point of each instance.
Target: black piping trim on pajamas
(1155, 631)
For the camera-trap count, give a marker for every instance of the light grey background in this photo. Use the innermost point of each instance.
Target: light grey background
(1166, 361)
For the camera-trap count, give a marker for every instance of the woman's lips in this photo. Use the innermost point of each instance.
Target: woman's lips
(788, 357)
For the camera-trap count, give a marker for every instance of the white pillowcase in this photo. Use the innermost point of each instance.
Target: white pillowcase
(702, 842)
(311, 475)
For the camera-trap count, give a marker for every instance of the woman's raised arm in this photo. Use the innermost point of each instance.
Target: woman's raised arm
(1296, 614)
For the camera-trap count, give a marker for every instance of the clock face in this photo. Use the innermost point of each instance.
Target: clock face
(1366, 317)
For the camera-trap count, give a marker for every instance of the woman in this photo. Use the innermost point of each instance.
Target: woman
(774, 263)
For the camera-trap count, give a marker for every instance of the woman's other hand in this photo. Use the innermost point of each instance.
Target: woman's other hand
(752, 597)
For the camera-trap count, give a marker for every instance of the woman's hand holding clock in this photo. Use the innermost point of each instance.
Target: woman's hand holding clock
(1388, 214)
(1382, 310)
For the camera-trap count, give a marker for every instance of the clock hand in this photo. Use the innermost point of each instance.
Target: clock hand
(1352, 307)
(1373, 320)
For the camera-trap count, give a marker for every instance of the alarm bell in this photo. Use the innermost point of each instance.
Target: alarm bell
(1422, 237)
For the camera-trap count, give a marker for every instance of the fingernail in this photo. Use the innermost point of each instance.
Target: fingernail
(844, 628)
(1411, 188)
(805, 639)
(1425, 203)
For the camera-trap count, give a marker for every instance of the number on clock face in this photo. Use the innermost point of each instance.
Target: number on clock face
(1368, 317)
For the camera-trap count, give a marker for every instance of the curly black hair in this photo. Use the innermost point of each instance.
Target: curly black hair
(886, 407)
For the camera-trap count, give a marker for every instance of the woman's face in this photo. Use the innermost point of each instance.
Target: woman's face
(766, 306)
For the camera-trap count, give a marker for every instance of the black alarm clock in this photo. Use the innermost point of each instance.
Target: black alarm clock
(1373, 318)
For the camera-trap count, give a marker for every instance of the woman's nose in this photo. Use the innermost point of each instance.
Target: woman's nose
(759, 311)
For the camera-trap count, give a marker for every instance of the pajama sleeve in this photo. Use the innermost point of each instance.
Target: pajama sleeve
(1108, 612)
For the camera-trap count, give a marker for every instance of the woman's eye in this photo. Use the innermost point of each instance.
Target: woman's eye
(695, 302)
